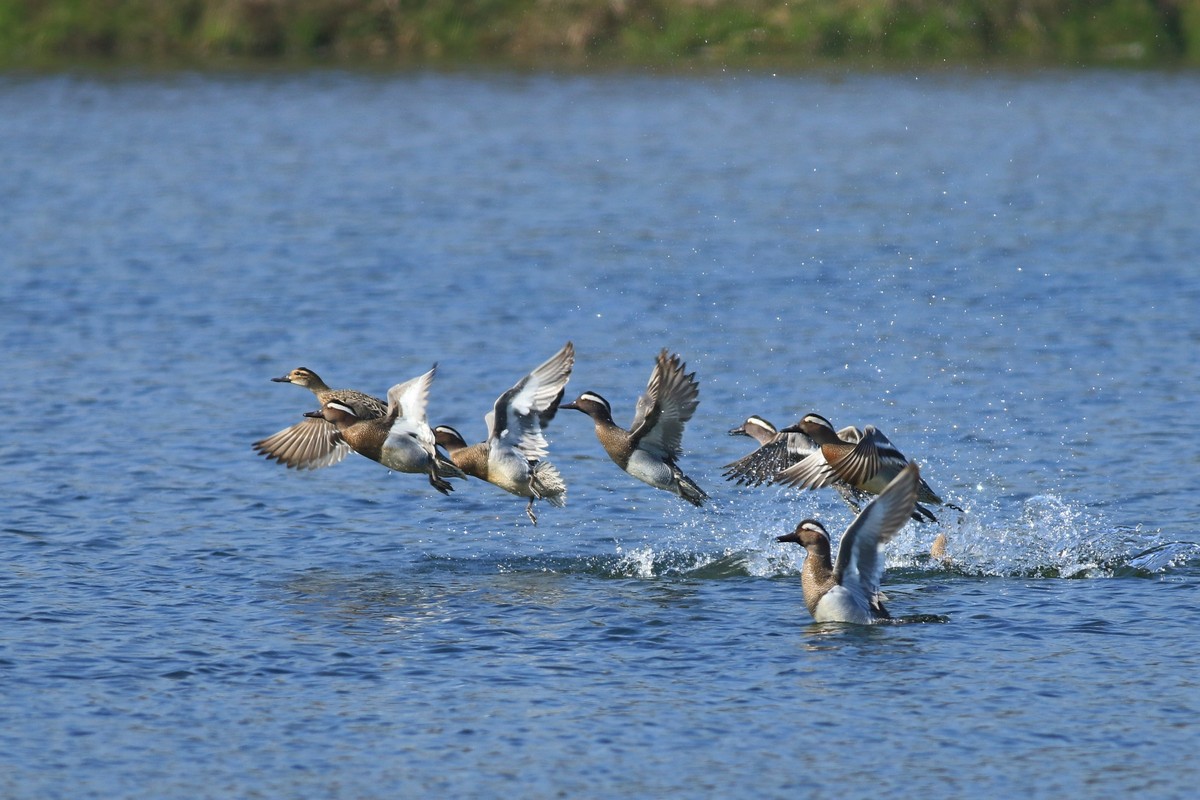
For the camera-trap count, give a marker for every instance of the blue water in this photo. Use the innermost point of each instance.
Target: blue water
(999, 271)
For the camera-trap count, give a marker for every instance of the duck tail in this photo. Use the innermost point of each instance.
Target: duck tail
(547, 484)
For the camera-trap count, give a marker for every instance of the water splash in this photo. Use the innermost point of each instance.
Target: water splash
(1040, 536)
(1044, 536)
(646, 562)
(1164, 558)
(636, 563)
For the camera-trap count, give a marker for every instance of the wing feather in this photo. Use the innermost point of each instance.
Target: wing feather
(761, 466)
(859, 567)
(860, 464)
(873, 456)
(310, 444)
(520, 413)
(670, 400)
(406, 406)
(812, 472)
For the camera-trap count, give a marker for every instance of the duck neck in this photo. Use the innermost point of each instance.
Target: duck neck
(604, 423)
(317, 386)
(816, 576)
(822, 435)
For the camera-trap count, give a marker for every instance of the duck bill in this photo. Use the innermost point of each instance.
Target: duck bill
(314, 414)
(570, 405)
(283, 379)
(788, 537)
(739, 431)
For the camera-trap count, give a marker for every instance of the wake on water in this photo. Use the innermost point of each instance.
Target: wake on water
(1040, 536)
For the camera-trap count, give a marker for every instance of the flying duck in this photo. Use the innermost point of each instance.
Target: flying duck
(512, 455)
(401, 439)
(866, 460)
(314, 442)
(650, 448)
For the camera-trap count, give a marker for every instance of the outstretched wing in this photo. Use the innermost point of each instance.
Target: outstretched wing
(310, 444)
(406, 406)
(873, 453)
(520, 413)
(670, 400)
(771, 459)
(858, 567)
(812, 472)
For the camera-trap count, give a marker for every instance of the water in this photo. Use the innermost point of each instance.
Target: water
(998, 271)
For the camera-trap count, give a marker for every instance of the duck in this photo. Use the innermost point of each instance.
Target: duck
(651, 447)
(777, 451)
(774, 453)
(865, 459)
(848, 590)
(401, 440)
(513, 454)
(314, 442)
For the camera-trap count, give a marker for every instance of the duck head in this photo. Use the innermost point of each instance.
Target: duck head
(808, 533)
(756, 428)
(449, 438)
(301, 376)
(339, 414)
(591, 404)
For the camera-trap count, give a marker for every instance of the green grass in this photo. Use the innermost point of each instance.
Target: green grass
(40, 33)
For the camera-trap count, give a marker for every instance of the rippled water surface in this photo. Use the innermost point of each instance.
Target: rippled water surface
(998, 271)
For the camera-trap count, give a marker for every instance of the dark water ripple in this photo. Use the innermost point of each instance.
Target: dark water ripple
(996, 270)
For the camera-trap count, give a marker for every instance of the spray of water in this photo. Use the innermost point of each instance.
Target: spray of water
(1040, 536)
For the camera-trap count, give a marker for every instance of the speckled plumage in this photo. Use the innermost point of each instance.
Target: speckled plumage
(401, 440)
(314, 442)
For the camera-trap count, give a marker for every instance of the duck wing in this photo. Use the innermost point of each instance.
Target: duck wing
(759, 467)
(518, 416)
(363, 405)
(670, 400)
(811, 472)
(873, 453)
(850, 434)
(311, 444)
(859, 568)
(406, 408)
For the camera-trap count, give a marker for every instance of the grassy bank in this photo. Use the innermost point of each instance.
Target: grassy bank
(46, 33)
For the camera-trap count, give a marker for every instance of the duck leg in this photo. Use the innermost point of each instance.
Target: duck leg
(853, 497)
(529, 512)
(438, 482)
